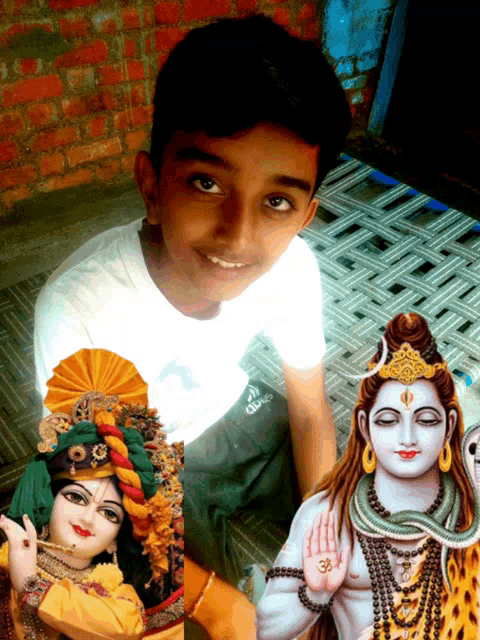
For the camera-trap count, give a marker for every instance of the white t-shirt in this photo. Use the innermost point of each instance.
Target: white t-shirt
(103, 297)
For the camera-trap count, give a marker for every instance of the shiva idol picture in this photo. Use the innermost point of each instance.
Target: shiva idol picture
(386, 545)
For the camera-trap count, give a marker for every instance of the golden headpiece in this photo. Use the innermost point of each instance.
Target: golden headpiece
(407, 365)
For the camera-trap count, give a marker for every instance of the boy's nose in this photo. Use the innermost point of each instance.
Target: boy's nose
(236, 228)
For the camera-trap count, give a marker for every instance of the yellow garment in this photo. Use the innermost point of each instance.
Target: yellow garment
(69, 610)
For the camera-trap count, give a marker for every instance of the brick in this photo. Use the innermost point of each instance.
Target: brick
(42, 114)
(166, 13)
(94, 151)
(131, 117)
(74, 107)
(15, 177)
(135, 70)
(135, 140)
(311, 30)
(70, 4)
(8, 151)
(281, 16)
(58, 138)
(96, 127)
(307, 12)
(28, 66)
(244, 6)
(53, 163)
(117, 74)
(82, 176)
(32, 89)
(201, 9)
(15, 195)
(129, 47)
(130, 18)
(106, 22)
(81, 79)
(128, 163)
(10, 123)
(107, 170)
(137, 94)
(166, 39)
(85, 54)
(74, 27)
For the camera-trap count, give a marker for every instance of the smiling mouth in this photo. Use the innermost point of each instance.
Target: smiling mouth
(407, 455)
(81, 532)
(221, 266)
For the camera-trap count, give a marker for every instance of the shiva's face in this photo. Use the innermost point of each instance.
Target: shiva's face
(87, 514)
(407, 427)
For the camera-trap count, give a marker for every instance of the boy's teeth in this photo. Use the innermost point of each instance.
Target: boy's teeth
(226, 265)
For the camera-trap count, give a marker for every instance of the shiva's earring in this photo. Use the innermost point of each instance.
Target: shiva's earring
(445, 458)
(369, 459)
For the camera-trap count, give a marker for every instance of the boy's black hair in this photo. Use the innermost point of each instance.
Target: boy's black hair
(235, 73)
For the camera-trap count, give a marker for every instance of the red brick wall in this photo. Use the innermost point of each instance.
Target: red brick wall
(77, 78)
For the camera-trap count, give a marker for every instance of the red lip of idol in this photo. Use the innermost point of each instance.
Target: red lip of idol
(80, 531)
(407, 455)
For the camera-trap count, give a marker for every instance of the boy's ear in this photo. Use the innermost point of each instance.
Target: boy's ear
(312, 209)
(147, 184)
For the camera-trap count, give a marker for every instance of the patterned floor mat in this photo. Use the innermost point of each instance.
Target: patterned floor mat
(382, 248)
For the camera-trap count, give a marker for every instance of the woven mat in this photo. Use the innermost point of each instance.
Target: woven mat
(382, 248)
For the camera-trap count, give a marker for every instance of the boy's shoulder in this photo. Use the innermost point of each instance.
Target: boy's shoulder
(106, 250)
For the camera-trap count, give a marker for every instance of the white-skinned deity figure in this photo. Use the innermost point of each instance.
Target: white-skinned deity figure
(386, 545)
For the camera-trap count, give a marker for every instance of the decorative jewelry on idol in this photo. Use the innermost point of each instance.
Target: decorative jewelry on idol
(44, 533)
(407, 365)
(114, 554)
(445, 458)
(369, 459)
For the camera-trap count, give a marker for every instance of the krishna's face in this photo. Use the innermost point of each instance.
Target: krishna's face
(407, 427)
(87, 514)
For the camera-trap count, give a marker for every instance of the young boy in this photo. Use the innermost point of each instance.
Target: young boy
(247, 122)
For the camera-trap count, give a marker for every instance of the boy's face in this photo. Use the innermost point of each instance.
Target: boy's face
(240, 200)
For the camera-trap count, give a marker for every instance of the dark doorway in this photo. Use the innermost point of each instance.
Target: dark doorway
(433, 114)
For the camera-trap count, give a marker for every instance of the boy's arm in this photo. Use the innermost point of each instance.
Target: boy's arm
(311, 425)
(223, 611)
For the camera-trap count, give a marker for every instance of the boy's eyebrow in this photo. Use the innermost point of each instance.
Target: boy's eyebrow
(194, 153)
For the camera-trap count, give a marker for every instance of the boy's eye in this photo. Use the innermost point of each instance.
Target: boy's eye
(111, 515)
(205, 184)
(75, 497)
(279, 203)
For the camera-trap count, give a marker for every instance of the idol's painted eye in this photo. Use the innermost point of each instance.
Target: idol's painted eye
(428, 418)
(110, 514)
(472, 448)
(386, 419)
(75, 496)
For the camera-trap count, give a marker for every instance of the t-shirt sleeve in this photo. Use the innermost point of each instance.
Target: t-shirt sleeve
(59, 331)
(296, 328)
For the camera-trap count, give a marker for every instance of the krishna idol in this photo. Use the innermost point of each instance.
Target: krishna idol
(386, 545)
(93, 551)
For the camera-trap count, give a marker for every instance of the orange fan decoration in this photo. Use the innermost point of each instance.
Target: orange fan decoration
(94, 370)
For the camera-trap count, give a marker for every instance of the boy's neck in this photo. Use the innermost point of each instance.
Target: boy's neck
(170, 283)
